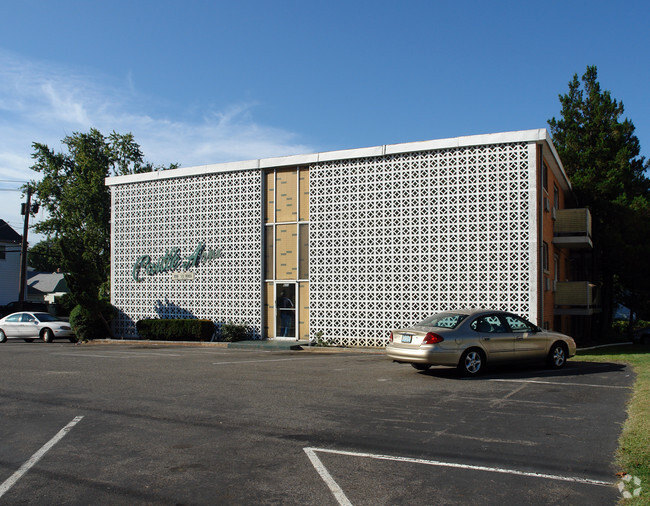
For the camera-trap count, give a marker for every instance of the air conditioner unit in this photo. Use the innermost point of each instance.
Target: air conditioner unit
(554, 213)
(547, 205)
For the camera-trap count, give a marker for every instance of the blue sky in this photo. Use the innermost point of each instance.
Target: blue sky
(201, 82)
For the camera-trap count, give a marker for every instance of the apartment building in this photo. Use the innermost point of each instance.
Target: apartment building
(343, 246)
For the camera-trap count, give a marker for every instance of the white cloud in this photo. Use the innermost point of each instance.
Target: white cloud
(42, 103)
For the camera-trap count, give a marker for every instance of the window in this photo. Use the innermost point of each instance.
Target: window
(544, 175)
(517, 324)
(556, 197)
(488, 324)
(545, 264)
(3, 253)
(443, 320)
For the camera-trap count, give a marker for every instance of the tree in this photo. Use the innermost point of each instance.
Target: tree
(600, 154)
(45, 256)
(78, 206)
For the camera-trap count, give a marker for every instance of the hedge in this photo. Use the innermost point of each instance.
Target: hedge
(231, 332)
(175, 330)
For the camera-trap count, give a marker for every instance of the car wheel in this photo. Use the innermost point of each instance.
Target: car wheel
(472, 362)
(421, 367)
(557, 356)
(48, 336)
(3, 336)
(28, 340)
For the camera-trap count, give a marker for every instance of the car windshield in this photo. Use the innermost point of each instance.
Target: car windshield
(46, 317)
(443, 320)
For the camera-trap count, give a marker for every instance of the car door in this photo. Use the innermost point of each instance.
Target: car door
(529, 343)
(495, 337)
(11, 327)
(28, 325)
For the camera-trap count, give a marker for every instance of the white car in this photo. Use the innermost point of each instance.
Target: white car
(30, 326)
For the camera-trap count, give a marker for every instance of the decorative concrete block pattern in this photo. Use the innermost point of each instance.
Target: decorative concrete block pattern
(396, 238)
(224, 212)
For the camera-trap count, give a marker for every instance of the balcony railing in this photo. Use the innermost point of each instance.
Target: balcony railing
(577, 297)
(572, 228)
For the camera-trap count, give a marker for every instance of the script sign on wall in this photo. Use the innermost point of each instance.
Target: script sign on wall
(172, 261)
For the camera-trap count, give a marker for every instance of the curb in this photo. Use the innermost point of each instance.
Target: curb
(263, 344)
(604, 346)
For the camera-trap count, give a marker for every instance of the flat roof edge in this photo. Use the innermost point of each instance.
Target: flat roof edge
(536, 135)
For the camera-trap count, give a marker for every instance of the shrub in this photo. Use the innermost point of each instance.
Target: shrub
(87, 325)
(232, 332)
(175, 330)
(64, 304)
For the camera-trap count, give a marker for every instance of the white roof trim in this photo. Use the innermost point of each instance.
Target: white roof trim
(538, 136)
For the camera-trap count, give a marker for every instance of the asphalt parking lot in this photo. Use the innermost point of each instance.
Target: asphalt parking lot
(166, 424)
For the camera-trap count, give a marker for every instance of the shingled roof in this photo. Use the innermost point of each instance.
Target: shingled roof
(8, 234)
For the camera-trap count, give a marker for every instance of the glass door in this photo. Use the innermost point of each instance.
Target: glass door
(285, 306)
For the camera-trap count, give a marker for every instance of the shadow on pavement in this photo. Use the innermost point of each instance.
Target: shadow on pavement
(573, 368)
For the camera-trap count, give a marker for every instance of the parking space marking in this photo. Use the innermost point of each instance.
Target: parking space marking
(293, 359)
(92, 355)
(339, 495)
(153, 353)
(118, 354)
(560, 383)
(343, 500)
(11, 481)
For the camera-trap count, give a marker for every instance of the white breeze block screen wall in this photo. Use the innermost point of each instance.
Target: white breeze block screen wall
(396, 238)
(224, 212)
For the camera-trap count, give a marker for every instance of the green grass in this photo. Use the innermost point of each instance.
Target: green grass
(633, 455)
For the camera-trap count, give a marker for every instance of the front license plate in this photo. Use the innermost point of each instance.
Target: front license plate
(406, 338)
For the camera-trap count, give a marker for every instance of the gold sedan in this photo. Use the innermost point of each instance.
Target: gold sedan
(470, 339)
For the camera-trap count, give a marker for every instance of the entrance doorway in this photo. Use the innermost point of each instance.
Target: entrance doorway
(285, 306)
(286, 253)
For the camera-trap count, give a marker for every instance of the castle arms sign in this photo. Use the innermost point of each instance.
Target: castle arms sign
(172, 261)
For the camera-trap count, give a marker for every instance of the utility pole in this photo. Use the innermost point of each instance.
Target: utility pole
(23, 250)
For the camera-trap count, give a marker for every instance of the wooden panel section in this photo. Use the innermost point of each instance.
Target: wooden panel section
(303, 311)
(303, 252)
(286, 208)
(269, 242)
(286, 256)
(269, 197)
(269, 310)
(304, 193)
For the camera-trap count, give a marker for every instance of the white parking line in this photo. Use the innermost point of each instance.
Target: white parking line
(10, 482)
(140, 352)
(343, 500)
(339, 495)
(561, 383)
(119, 354)
(293, 359)
(93, 355)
